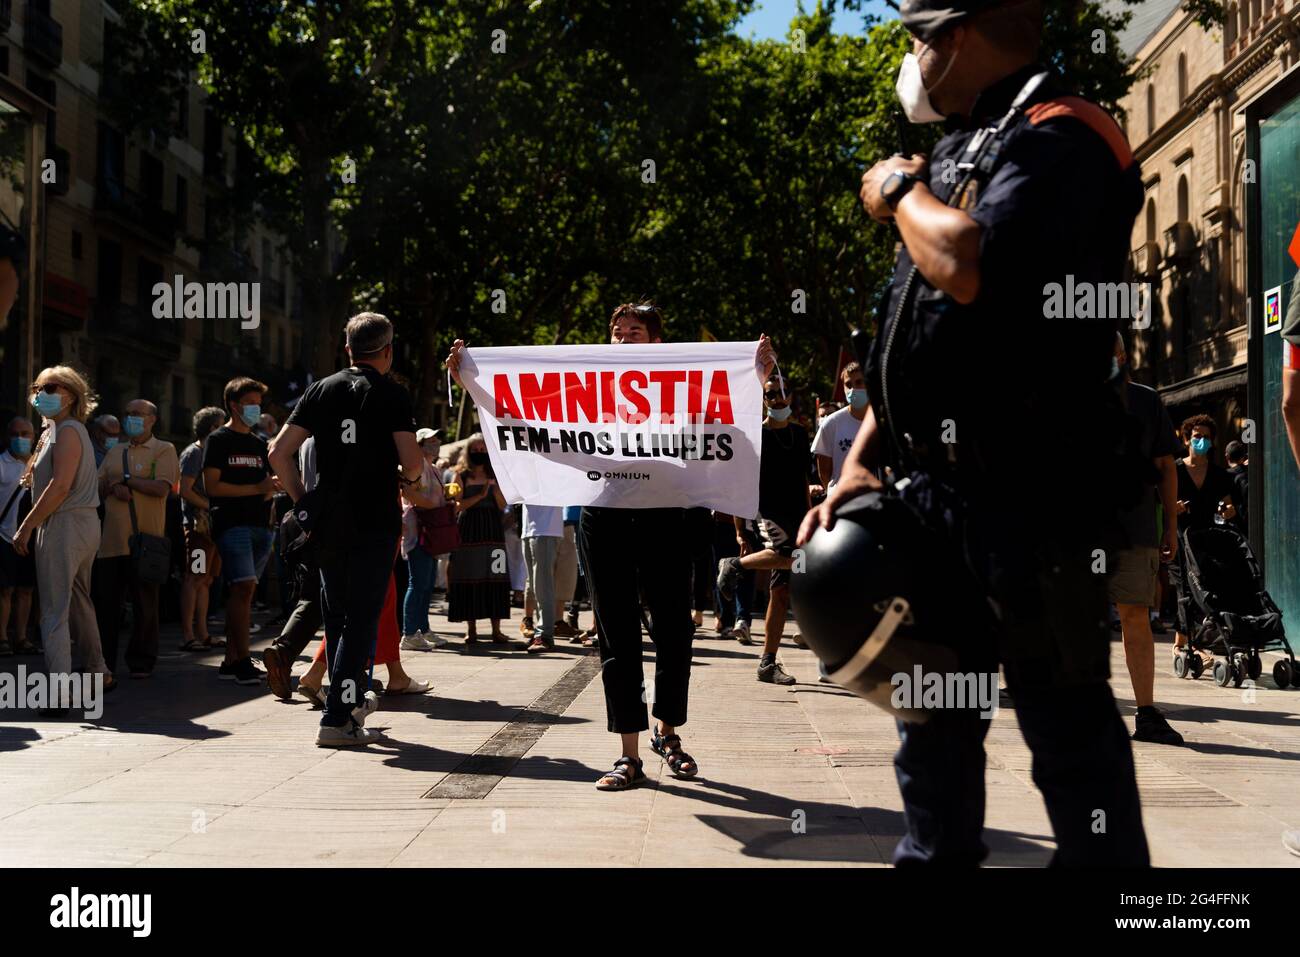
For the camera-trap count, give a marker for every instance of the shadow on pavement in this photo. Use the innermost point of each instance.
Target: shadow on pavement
(823, 833)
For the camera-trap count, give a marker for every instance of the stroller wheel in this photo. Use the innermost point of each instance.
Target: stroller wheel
(1197, 666)
(1180, 665)
(1254, 667)
(1222, 672)
(1283, 674)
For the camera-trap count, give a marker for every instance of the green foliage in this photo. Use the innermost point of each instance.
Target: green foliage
(523, 169)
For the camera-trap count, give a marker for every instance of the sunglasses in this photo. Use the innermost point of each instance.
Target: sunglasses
(773, 394)
(49, 388)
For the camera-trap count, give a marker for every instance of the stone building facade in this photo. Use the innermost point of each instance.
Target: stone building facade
(1184, 119)
(124, 212)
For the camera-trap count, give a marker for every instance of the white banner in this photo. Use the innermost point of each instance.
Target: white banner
(625, 426)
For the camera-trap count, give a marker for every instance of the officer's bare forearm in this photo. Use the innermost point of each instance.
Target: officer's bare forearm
(943, 242)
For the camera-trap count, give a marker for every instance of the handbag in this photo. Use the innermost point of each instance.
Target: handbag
(151, 555)
(438, 530)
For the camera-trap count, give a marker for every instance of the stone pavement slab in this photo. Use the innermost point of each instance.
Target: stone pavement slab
(185, 770)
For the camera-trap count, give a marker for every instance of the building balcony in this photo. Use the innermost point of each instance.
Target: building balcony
(224, 264)
(43, 37)
(136, 328)
(136, 213)
(1146, 261)
(215, 356)
(64, 301)
(1180, 243)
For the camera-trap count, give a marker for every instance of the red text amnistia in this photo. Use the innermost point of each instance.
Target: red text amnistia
(607, 396)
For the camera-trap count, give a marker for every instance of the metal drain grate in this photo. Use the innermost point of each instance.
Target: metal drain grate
(478, 774)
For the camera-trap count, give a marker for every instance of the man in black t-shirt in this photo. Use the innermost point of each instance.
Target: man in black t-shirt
(239, 487)
(783, 500)
(365, 444)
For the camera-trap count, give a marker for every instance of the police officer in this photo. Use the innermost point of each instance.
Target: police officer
(979, 391)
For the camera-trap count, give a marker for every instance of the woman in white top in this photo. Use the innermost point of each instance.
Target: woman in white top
(64, 522)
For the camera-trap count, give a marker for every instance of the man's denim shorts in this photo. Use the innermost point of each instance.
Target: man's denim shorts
(244, 552)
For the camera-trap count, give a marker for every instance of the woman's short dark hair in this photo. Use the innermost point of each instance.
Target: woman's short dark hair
(645, 312)
(206, 420)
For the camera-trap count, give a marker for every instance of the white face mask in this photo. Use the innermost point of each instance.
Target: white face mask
(912, 92)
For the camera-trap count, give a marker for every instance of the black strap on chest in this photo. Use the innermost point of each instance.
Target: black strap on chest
(979, 162)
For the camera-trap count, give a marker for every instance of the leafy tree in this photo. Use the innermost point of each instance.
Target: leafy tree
(481, 168)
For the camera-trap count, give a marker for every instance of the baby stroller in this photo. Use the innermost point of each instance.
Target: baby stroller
(1228, 611)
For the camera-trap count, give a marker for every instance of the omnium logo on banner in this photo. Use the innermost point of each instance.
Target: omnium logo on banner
(626, 426)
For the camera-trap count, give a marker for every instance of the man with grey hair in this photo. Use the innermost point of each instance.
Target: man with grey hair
(105, 432)
(134, 482)
(364, 428)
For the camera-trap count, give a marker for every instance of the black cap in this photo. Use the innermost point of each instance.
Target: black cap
(927, 19)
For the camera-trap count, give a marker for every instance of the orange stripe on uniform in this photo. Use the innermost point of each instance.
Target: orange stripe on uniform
(1092, 116)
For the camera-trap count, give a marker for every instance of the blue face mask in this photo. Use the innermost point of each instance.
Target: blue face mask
(47, 404)
(857, 398)
(780, 415)
(109, 441)
(20, 445)
(1202, 446)
(134, 425)
(250, 414)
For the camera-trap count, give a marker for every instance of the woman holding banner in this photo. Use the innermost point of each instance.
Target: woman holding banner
(630, 555)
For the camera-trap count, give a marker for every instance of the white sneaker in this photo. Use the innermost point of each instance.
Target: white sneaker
(415, 643)
(434, 641)
(350, 735)
(741, 634)
(369, 705)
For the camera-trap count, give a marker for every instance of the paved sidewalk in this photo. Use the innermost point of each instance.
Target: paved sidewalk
(187, 770)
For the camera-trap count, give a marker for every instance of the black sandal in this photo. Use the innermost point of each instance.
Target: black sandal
(627, 774)
(669, 747)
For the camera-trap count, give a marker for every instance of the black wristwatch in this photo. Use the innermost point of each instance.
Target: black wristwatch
(895, 187)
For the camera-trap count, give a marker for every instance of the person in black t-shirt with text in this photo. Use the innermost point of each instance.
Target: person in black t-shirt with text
(239, 487)
(364, 428)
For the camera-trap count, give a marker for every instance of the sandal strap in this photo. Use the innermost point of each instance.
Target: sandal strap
(625, 769)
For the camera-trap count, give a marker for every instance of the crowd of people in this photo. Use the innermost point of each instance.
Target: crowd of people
(81, 516)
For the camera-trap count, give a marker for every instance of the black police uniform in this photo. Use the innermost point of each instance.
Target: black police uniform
(1019, 391)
